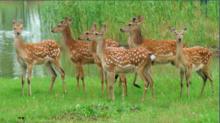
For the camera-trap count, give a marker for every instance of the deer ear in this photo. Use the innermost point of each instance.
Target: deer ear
(93, 27)
(70, 19)
(139, 20)
(172, 29)
(134, 19)
(104, 28)
(20, 21)
(14, 21)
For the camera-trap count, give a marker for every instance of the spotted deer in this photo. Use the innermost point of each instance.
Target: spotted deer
(120, 60)
(29, 54)
(108, 43)
(79, 51)
(188, 59)
(163, 49)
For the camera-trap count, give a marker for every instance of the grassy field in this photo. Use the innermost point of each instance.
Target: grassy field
(75, 106)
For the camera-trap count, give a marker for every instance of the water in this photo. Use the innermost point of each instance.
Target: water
(28, 12)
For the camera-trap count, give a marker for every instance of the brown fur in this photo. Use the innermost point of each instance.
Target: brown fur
(120, 60)
(79, 51)
(163, 49)
(195, 58)
(28, 54)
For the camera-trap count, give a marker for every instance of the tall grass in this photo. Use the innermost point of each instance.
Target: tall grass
(159, 15)
(203, 30)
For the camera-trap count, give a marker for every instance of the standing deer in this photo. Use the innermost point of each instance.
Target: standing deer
(78, 50)
(120, 60)
(108, 43)
(163, 49)
(194, 58)
(93, 47)
(29, 54)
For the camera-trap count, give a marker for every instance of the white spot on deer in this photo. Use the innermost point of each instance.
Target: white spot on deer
(152, 57)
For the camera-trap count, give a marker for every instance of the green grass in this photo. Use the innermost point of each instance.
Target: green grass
(75, 106)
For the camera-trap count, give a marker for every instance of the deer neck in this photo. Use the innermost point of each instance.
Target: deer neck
(100, 47)
(135, 38)
(67, 36)
(179, 52)
(19, 43)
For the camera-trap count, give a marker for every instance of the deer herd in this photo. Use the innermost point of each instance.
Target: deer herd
(112, 59)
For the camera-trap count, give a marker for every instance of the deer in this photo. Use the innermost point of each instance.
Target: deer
(195, 58)
(108, 43)
(163, 49)
(46, 52)
(79, 51)
(120, 60)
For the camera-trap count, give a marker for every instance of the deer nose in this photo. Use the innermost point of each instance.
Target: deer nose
(179, 39)
(52, 31)
(18, 33)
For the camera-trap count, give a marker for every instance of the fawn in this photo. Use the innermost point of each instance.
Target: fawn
(93, 47)
(29, 54)
(120, 60)
(162, 49)
(79, 51)
(108, 43)
(194, 58)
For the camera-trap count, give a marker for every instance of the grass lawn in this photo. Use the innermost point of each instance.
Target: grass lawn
(75, 106)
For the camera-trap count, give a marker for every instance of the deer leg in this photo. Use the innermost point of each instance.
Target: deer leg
(110, 79)
(24, 69)
(181, 82)
(207, 74)
(82, 77)
(62, 73)
(134, 81)
(204, 77)
(106, 81)
(77, 75)
(29, 70)
(142, 76)
(102, 77)
(124, 85)
(53, 75)
(188, 76)
(150, 80)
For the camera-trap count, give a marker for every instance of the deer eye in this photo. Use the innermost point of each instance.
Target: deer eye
(87, 33)
(96, 33)
(134, 19)
(129, 24)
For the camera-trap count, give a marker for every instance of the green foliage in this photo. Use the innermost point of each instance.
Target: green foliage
(159, 15)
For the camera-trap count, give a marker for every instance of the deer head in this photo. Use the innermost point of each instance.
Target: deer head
(93, 34)
(86, 35)
(178, 34)
(62, 25)
(17, 27)
(133, 24)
